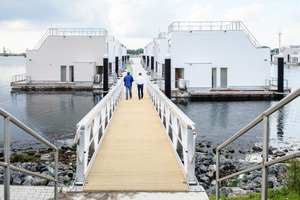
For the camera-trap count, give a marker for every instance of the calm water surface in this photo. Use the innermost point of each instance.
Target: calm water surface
(55, 115)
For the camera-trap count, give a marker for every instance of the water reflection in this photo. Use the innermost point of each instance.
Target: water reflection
(280, 123)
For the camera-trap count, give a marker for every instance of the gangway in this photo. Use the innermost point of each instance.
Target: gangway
(136, 145)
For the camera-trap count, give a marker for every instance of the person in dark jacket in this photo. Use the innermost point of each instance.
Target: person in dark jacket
(128, 84)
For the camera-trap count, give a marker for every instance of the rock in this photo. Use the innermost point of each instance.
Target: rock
(279, 153)
(212, 167)
(203, 168)
(210, 174)
(46, 157)
(238, 191)
(256, 149)
(282, 168)
(245, 165)
(254, 174)
(242, 185)
(231, 150)
(31, 153)
(203, 178)
(1, 179)
(1, 153)
(226, 191)
(51, 184)
(39, 181)
(70, 173)
(28, 180)
(285, 150)
(16, 181)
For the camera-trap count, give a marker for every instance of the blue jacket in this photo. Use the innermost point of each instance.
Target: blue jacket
(128, 80)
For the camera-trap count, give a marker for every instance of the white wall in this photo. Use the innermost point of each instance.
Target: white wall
(44, 64)
(247, 65)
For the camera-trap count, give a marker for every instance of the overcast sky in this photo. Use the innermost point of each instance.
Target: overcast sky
(136, 22)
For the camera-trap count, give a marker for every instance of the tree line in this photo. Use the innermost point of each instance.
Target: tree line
(135, 51)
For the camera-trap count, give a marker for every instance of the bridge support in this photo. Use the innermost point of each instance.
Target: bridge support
(280, 74)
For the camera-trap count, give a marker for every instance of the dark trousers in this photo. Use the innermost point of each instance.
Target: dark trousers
(140, 91)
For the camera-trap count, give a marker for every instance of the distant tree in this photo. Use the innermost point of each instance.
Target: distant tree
(135, 51)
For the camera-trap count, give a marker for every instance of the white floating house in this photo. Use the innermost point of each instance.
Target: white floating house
(162, 50)
(291, 53)
(71, 56)
(215, 55)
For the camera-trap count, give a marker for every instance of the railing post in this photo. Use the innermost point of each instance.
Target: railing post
(7, 158)
(217, 174)
(191, 158)
(264, 171)
(80, 161)
(56, 175)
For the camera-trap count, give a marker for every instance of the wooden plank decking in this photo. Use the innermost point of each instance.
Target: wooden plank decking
(135, 154)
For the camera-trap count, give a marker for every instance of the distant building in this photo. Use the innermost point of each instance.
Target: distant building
(215, 55)
(73, 56)
(291, 53)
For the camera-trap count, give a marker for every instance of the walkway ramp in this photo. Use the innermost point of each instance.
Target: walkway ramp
(135, 154)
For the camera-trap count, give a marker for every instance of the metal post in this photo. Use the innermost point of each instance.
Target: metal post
(147, 64)
(280, 74)
(56, 175)
(117, 66)
(80, 161)
(191, 150)
(168, 76)
(152, 67)
(217, 174)
(264, 170)
(7, 158)
(105, 74)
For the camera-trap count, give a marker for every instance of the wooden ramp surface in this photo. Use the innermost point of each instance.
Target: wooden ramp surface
(135, 154)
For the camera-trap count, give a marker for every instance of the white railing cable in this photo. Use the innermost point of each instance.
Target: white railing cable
(180, 130)
(7, 165)
(91, 131)
(264, 117)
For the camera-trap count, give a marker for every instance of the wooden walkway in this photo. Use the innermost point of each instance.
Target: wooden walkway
(135, 154)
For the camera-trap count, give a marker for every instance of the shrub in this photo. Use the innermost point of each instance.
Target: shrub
(19, 157)
(293, 179)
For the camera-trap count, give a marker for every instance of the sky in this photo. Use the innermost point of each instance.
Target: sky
(137, 22)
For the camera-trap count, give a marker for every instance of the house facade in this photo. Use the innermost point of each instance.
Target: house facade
(215, 55)
(71, 56)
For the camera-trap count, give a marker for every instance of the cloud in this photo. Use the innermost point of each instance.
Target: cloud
(247, 13)
(200, 13)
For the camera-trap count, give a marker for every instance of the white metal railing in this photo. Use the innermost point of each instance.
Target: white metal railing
(7, 165)
(180, 130)
(273, 82)
(71, 32)
(264, 117)
(213, 26)
(91, 131)
(20, 78)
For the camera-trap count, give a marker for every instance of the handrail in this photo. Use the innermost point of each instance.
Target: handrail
(265, 162)
(180, 130)
(71, 32)
(213, 26)
(91, 131)
(7, 165)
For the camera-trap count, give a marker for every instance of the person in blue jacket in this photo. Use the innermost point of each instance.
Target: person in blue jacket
(128, 84)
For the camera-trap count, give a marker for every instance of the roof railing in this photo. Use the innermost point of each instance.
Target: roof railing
(71, 32)
(213, 26)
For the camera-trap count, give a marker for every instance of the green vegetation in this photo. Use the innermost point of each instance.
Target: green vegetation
(8, 53)
(135, 51)
(291, 189)
(19, 157)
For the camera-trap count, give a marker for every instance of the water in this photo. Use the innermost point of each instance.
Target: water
(219, 120)
(53, 115)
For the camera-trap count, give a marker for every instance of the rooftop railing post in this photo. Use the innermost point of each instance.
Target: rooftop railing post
(264, 175)
(7, 158)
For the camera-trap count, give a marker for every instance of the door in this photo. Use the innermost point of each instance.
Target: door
(223, 77)
(71, 73)
(179, 74)
(214, 78)
(63, 74)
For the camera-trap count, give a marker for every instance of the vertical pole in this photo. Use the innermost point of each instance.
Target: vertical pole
(56, 175)
(152, 67)
(168, 76)
(7, 158)
(264, 170)
(217, 174)
(280, 74)
(191, 158)
(80, 161)
(105, 74)
(123, 62)
(147, 64)
(117, 66)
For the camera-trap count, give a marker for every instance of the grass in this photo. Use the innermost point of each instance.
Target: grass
(290, 191)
